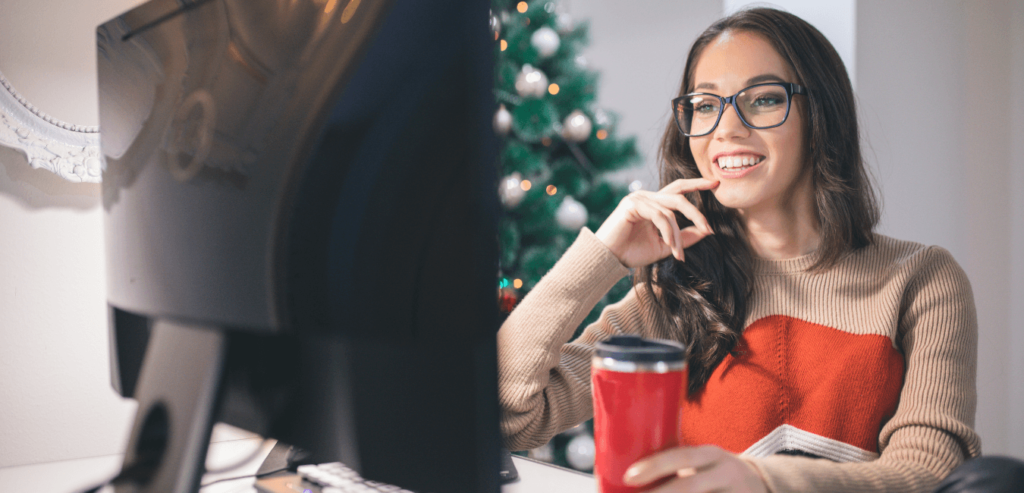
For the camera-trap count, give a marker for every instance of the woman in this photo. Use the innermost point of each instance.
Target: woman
(822, 356)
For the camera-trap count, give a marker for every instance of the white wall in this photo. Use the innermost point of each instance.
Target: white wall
(1015, 435)
(55, 398)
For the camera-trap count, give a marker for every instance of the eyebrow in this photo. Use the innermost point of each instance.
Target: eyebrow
(751, 81)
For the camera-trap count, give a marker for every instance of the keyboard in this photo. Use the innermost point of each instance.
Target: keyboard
(334, 477)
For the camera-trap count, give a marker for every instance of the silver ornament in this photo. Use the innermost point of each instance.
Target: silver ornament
(571, 214)
(502, 121)
(531, 82)
(546, 41)
(580, 452)
(563, 23)
(495, 26)
(511, 190)
(576, 127)
(636, 185)
(545, 453)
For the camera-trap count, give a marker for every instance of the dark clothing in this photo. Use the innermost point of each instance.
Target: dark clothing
(989, 474)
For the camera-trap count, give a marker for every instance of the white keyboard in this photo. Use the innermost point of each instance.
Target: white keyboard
(335, 477)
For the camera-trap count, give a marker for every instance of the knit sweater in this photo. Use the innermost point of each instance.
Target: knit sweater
(868, 366)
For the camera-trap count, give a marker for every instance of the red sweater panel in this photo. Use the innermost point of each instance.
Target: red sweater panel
(788, 371)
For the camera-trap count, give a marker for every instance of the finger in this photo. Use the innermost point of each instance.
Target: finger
(669, 461)
(659, 216)
(686, 185)
(704, 481)
(691, 235)
(677, 237)
(686, 208)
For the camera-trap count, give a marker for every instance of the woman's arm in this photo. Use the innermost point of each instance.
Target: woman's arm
(544, 383)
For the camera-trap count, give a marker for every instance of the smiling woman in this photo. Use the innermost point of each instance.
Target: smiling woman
(822, 355)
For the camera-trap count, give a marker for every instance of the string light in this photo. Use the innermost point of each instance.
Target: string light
(602, 134)
(546, 141)
(518, 283)
(503, 283)
(350, 10)
(525, 184)
(504, 44)
(521, 7)
(553, 89)
(552, 189)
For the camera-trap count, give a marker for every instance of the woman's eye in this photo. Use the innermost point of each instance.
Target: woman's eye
(767, 101)
(705, 108)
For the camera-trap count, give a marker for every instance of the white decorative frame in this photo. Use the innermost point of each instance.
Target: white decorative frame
(71, 151)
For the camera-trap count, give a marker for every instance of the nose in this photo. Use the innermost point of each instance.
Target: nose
(730, 125)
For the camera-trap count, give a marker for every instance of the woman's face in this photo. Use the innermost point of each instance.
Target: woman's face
(732, 62)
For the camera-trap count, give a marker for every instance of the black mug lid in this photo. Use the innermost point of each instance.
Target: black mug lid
(640, 350)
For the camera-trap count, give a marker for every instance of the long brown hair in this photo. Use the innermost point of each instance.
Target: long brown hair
(706, 296)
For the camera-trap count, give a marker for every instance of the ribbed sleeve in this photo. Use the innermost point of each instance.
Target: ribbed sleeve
(544, 388)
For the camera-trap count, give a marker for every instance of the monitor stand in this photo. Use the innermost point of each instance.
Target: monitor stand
(177, 394)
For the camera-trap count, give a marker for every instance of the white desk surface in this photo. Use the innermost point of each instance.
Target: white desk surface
(74, 476)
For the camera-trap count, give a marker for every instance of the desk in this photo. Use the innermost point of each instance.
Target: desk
(72, 476)
(538, 477)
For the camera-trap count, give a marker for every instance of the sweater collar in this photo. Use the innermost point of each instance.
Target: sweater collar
(785, 266)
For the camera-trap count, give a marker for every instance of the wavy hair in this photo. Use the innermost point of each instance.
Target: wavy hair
(706, 296)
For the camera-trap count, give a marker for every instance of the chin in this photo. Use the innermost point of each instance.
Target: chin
(732, 198)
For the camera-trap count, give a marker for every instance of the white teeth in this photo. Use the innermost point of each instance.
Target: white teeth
(729, 162)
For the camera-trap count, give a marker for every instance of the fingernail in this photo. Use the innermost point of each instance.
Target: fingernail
(631, 474)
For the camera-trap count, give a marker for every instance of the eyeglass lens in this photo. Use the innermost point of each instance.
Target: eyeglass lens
(761, 107)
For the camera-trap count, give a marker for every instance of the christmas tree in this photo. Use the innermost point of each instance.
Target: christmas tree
(557, 150)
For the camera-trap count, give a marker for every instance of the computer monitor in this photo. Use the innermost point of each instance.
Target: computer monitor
(301, 235)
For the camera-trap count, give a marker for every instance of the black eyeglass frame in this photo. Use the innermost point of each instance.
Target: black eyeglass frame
(790, 88)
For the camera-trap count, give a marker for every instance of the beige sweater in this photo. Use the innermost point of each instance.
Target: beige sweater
(870, 366)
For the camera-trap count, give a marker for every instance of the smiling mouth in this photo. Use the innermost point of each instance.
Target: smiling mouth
(739, 162)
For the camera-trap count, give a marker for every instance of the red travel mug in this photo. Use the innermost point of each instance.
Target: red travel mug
(638, 387)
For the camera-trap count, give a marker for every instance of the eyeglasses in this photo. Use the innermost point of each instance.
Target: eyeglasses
(759, 106)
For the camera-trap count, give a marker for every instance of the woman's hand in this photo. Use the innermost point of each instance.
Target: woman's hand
(632, 230)
(698, 469)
